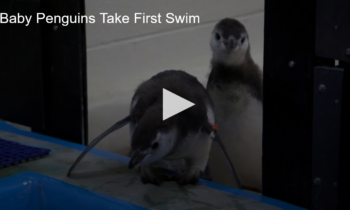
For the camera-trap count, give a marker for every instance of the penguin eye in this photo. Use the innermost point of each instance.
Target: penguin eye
(242, 40)
(217, 36)
(155, 145)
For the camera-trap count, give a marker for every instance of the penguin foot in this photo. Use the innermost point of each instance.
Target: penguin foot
(150, 175)
(190, 176)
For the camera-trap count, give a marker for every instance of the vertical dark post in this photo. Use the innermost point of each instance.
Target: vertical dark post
(332, 41)
(305, 134)
(289, 60)
(328, 86)
(344, 156)
(65, 88)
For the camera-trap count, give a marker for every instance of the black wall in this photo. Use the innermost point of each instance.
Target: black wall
(306, 100)
(43, 70)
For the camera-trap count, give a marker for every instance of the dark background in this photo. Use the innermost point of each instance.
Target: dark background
(305, 132)
(43, 70)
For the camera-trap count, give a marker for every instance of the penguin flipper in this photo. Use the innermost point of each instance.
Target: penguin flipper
(216, 138)
(113, 128)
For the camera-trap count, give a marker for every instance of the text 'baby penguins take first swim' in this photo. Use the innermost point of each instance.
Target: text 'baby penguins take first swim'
(235, 85)
(186, 136)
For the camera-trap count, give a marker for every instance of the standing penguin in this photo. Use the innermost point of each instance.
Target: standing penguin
(183, 139)
(235, 85)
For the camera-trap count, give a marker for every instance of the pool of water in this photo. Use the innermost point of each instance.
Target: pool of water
(29, 190)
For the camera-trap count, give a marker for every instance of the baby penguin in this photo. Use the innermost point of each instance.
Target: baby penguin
(235, 86)
(181, 142)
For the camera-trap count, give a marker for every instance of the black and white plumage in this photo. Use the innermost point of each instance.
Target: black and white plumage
(183, 139)
(235, 86)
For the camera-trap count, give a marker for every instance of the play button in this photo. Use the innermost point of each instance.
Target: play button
(173, 104)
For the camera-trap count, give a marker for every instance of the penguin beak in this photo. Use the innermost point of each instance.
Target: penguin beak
(136, 158)
(229, 44)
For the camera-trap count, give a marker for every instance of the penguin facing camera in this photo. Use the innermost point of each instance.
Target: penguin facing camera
(186, 136)
(235, 85)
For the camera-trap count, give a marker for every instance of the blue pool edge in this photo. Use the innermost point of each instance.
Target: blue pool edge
(11, 129)
(23, 183)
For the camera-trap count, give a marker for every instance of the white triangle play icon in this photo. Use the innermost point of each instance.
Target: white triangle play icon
(173, 104)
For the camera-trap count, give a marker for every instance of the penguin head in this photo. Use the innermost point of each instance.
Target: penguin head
(229, 41)
(152, 140)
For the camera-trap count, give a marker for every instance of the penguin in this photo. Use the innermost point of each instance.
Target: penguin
(184, 139)
(235, 85)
